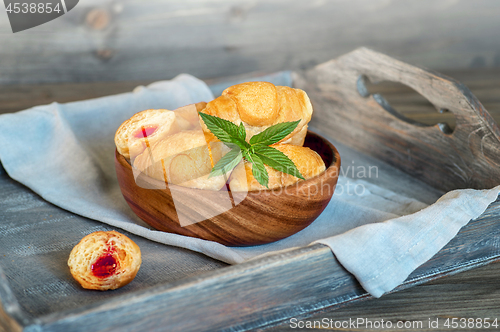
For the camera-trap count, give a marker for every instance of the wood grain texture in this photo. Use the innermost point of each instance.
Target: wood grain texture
(466, 158)
(11, 316)
(13, 97)
(136, 40)
(252, 218)
(36, 238)
(266, 291)
(471, 294)
(484, 84)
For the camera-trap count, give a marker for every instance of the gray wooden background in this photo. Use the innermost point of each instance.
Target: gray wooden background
(103, 40)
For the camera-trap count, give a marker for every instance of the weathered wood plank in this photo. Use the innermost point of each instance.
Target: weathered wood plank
(36, 238)
(268, 290)
(137, 40)
(11, 316)
(468, 157)
(15, 98)
(471, 294)
(484, 84)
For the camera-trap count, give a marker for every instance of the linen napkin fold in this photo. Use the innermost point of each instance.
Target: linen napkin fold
(64, 152)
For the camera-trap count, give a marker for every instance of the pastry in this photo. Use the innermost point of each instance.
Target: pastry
(187, 116)
(183, 159)
(260, 105)
(144, 129)
(176, 151)
(104, 260)
(307, 161)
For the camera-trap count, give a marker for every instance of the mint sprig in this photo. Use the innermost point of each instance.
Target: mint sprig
(257, 151)
(274, 133)
(226, 131)
(277, 160)
(229, 161)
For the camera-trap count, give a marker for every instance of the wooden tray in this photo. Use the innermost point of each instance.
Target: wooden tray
(186, 291)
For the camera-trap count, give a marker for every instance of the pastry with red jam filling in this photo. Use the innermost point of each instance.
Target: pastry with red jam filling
(104, 260)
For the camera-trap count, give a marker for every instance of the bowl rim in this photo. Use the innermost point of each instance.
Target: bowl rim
(335, 164)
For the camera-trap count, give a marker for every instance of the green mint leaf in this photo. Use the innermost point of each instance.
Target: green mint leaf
(278, 160)
(259, 171)
(227, 162)
(224, 130)
(274, 133)
(258, 153)
(242, 131)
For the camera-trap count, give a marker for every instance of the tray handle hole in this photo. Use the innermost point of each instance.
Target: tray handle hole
(406, 104)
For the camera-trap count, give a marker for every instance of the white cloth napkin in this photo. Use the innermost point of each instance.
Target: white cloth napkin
(64, 152)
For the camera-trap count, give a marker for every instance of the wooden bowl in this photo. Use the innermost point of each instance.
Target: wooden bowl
(260, 217)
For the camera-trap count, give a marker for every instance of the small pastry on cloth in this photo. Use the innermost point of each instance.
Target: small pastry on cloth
(183, 159)
(104, 260)
(260, 105)
(144, 129)
(307, 161)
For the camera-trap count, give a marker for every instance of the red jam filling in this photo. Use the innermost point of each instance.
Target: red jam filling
(145, 131)
(104, 266)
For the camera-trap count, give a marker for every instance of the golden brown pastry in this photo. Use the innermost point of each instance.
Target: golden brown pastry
(187, 116)
(260, 105)
(183, 159)
(144, 129)
(308, 162)
(104, 260)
